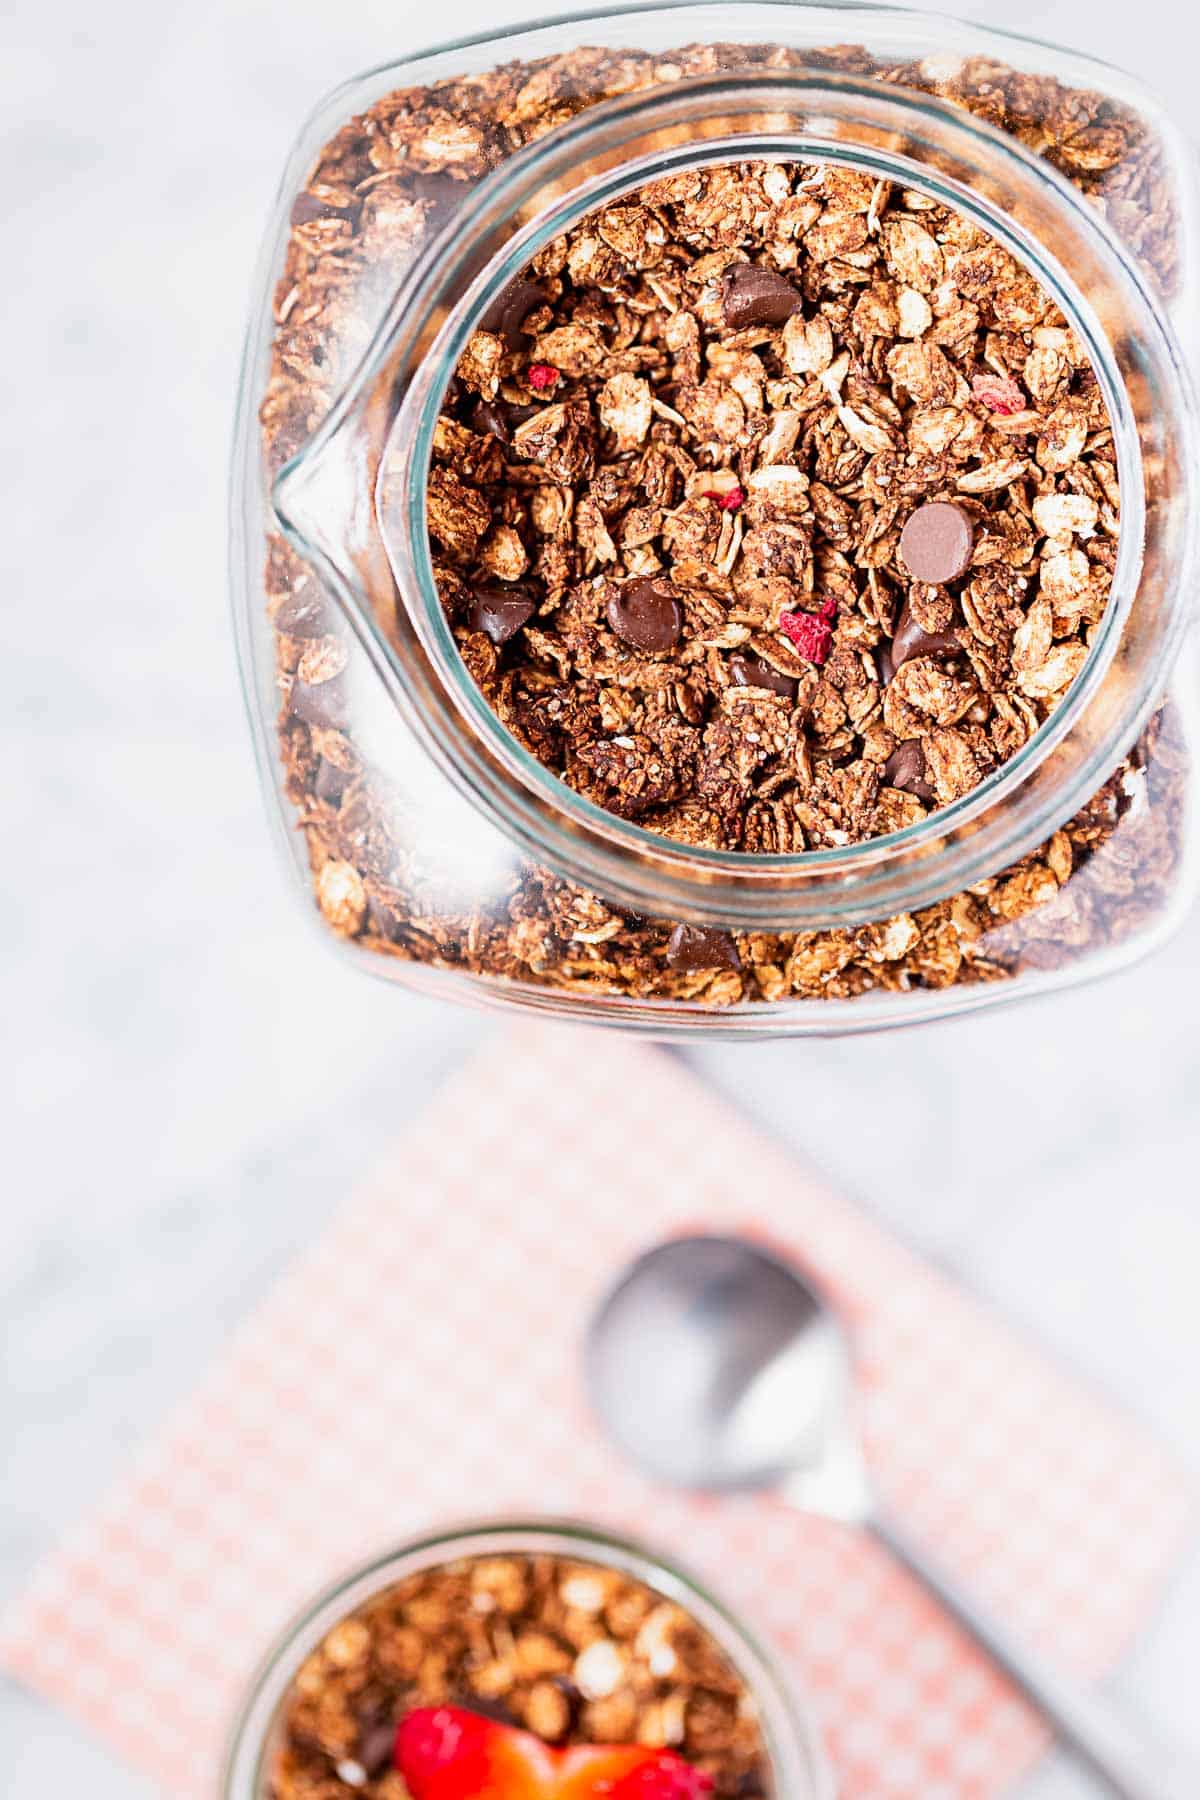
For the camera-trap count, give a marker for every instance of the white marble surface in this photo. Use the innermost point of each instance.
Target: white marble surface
(192, 1086)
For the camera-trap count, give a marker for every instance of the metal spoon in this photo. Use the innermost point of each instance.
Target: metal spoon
(715, 1364)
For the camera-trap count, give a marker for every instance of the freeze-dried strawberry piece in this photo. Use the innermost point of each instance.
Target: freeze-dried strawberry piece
(999, 393)
(542, 376)
(811, 633)
(729, 501)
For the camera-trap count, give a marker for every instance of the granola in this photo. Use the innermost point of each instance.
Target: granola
(573, 1651)
(774, 506)
(392, 175)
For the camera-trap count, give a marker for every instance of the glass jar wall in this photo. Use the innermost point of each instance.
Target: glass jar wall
(426, 839)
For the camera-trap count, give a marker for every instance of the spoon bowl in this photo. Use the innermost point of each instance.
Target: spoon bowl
(715, 1364)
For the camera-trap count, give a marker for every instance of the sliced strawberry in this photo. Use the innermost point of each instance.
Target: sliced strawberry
(447, 1753)
(664, 1777)
(628, 1773)
(585, 1770)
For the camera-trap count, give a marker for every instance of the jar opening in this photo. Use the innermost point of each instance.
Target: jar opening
(797, 1762)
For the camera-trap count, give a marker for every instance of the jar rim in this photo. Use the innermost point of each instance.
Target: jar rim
(592, 846)
(799, 1766)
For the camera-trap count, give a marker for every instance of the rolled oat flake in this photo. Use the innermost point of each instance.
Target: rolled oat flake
(936, 543)
(646, 614)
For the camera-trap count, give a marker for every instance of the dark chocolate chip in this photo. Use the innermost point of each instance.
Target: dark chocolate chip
(645, 613)
(376, 1750)
(905, 769)
(510, 309)
(751, 295)
(749, 670)
(937, 542)
(691, 948)
(911, 640)
(320, 703)
(305, 611)
(500, 612)
(385, 922)
(571, 1694)
(307, 207)
(484, 1707)
(439, 192)
(331, 783)
(884, 664)
(488, 420)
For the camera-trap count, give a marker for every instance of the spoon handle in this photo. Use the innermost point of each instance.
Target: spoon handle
(1130, 1767)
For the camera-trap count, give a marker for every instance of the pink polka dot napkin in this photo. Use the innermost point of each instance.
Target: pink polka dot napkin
(421, 1364)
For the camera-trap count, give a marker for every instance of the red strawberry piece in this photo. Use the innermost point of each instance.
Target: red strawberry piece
(666, 1777)
(448, 1753)
(729, 501)
(999, 393)
(629, 1772)
(542, 376)
(812, 633)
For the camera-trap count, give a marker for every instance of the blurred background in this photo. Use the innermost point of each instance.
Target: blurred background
(193, 1083)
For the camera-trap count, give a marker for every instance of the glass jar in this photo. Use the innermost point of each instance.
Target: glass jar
(798, 1764)
(439, 851)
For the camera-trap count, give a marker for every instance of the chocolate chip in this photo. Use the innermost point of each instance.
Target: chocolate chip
(383, 919)
(510, 309)
(905, 769)
(937, 542)
(485, 1707)
(321, 703)
(308, 207)
(500, 612)
(646, 614)
(751, 295)
(691, 948)
(305, 611)
(331, 783)
(884, 665)
(439, 192)
(749, 670)
(489, 421)
(376, 1750)
(912, 640)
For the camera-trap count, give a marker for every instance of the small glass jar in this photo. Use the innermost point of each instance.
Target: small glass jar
(799, 1769)
(437, 849)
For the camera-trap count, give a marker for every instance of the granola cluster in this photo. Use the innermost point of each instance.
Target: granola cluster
(773, 506)
(574, 1651)
(736, 731)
